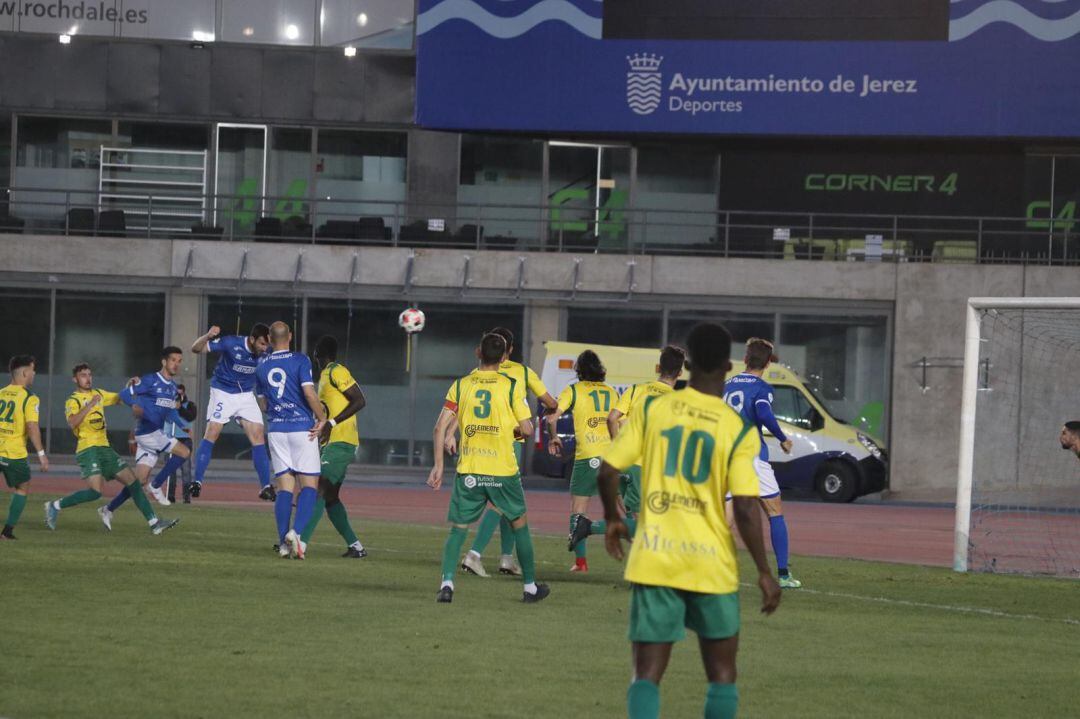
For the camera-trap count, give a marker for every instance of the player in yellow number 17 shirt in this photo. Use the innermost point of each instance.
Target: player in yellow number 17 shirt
(18, 421)
(488, 406)
(693, 449)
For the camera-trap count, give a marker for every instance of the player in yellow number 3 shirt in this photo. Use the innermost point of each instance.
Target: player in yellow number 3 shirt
(693, 450)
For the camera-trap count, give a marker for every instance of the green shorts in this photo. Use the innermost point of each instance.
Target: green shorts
(519, 449)
(662, 614)
(472, 492)
(100, 460)
(336, 458)
(583, 480)
(630, 489)
(15, 471)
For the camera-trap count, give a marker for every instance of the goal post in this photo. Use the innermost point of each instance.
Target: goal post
(1002, 333)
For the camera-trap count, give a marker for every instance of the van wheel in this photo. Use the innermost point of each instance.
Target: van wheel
(836, 482)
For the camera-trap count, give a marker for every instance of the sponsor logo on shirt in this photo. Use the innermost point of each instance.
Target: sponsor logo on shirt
(594, 462)
(661, 502)
(653, 540)
(471, 430)
(479, 452)
(595, 422)
(473, 481)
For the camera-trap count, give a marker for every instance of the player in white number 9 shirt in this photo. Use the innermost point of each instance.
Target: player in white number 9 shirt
(232, 397)
(294, 417)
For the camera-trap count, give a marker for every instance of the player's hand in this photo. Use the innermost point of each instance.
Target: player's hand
(313, 433)
(450, 445)
(770, 592)
(213, 332)
(43, 462)
(555, 446)
(132, 381)
(94, 401)
(324, 435)
(434, 479)
(613, 536)
(786, 446)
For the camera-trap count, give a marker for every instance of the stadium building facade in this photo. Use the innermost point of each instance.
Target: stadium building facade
(170, 165)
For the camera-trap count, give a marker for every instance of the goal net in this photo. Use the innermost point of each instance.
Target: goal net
(1018, 491)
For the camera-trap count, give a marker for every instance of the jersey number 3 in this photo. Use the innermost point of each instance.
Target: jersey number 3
(696, 454)
(484, 409)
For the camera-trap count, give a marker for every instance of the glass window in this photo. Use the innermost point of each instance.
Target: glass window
(26, 331)
(676, 186)
(621, 328)
(289, 183)
(168, 19)
(843, 361)
(269, 22)
(445, 351)
(372, 346)
(741, 325)
(5, 161)
(95, 18)
(368, 23)
(360, 174)
(119, 336)
(790, 406)
(58, 154)
(501, 171)
(235, 316)
(1066, 202)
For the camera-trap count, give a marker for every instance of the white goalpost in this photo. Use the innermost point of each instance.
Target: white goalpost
(1018, 492)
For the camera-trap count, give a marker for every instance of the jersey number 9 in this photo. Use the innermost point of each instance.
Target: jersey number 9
(736, 400)
(276, 378)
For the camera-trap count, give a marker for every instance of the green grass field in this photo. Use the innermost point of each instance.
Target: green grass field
(206, 621)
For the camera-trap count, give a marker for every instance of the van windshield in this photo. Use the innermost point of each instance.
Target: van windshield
(825, 403)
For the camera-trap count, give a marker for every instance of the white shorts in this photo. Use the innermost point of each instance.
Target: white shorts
(224, 407)
(766, 479)
(150, 446)
(294, 452)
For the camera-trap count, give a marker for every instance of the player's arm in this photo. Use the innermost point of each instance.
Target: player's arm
(621, 409)
(554, 441)
(33, 431)
(768, 421)
(743, 484)
(519, 405)
(200, 343)
(76, 414)
(316, 408)
(352, 392)
(447, 417)
(613, 422)
(130, 396)
(538, 388)
(623, 453)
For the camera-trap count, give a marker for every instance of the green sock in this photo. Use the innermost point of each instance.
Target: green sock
(506, 536)
(721, 701)
(485, 530)
(631, 524)
(316, 516)
(339, 517)
(451, 553)
(643, 700)
(80, 497)
(598, 527)
(579, 550)
(18, 501)
(525, 555)
(139, 497)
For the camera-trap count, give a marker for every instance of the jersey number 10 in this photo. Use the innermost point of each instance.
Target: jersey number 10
(696, 454)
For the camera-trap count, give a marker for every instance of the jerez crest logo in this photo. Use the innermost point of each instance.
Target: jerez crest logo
(644, 83)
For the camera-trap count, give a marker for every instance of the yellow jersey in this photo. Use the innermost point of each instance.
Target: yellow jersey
(693, 449)
(589, 403)
(91, 431)
(333, 381)
(637, 394)
(18, 406)
(489, 407)
(528, 379)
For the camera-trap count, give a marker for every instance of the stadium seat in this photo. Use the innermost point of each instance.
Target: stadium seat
(112, 223)
(80, 221)
(206, 232)
(268, 228)
(371, 228)
(296, 227)
(11, 224)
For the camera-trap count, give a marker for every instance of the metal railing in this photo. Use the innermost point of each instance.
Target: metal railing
(545, 228)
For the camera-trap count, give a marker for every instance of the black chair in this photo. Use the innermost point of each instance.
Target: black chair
(268, 228)
(80, 221)
(112, 223)
(371, 228)
(206, 232)
(339, 230)
(11, 224)
(296, 227)
(469, 235)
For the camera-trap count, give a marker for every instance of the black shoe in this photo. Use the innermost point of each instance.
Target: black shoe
(542, 590)
(582, 529)
(268, 493)
(354, 553)
(187, 500)
(445, 595)
(7, 533)
(172, 499)
(187, 494)
(196, 489)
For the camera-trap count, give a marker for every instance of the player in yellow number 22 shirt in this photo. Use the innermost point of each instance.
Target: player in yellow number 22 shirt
(693, 450)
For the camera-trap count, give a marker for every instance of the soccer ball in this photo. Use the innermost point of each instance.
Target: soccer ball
(411, 320)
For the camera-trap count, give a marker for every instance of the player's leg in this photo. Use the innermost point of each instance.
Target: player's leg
(214, 415)
(657, 621)
(17, 475)
(336, 458)
(178, 454)
(250, 417)
(485, 530)
(466, 506)
(778, 531)
(629, 506)
(286, 485)
(305, 507)
(148, 447)
(89, 461)
(507, 494)
(185, 475)
(507, 534)
(133, 485)
(715, 619)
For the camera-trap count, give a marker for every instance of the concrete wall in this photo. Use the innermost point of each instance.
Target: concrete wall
(929, 301)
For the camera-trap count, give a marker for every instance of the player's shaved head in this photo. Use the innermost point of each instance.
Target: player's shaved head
(709, 347)
(280, 335)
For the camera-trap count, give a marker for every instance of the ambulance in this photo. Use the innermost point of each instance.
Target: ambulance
(829, 457)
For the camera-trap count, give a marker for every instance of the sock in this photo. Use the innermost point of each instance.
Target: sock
(631, 524)
(305, 507)
(202, 458)
(485, 531)
(261, 459)
(447, 583)
(282, 512)
(316, 517)
(598, 527)
(525, 555)
(80, 497)
(174, 463)
(339, 517)
(506, 536)
(643, 700)
(122, 496)
(579, 550)
(139, 497)
(530, 588)
(451, 551)
(18, 501)
(779, 537)
(721, 701)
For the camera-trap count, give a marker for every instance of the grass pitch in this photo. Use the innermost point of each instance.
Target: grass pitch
(205, 621)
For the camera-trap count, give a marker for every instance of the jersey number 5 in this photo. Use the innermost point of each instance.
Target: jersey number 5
(276, 378)
(696, 454)
(484, 409)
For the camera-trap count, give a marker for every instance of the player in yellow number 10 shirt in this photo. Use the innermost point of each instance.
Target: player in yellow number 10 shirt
(18, 421)
(693, 449)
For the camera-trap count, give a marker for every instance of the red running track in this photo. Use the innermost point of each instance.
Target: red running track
(882, 532)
